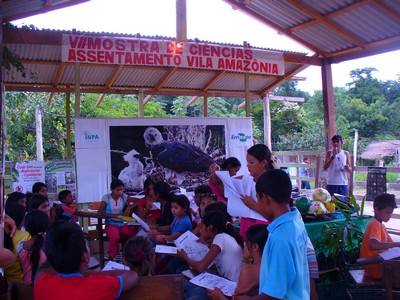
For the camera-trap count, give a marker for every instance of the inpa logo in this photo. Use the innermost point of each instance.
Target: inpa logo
(90, 136)
(241, 137)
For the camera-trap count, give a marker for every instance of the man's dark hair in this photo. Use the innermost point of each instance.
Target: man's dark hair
(385, 200)
(37, 186)
(276, 184)
(203, 189)
(63, 195)
(64, 247)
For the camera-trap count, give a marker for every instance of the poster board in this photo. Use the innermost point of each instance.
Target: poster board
(107, 147)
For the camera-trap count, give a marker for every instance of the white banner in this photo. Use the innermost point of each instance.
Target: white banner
(149, 52)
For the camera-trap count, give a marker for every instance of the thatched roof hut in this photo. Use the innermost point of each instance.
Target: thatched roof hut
(379, 150)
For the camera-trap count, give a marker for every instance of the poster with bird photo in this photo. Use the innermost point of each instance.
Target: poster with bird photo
(178, 154)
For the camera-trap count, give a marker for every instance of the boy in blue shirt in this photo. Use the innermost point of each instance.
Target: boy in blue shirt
(284, 272)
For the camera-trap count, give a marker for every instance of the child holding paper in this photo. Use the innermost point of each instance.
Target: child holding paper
(226, 248)
(376, 237)
(256, 237)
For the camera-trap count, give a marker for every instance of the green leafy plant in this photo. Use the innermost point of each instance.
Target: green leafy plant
(350, 231)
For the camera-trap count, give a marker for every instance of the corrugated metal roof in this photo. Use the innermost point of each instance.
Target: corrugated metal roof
(338, 29)
(40, 52)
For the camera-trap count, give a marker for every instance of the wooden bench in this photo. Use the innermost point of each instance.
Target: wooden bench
(160, 287)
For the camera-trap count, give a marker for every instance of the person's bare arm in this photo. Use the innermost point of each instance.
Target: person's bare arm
(374, 244)
(9, 225)
(202, 265)
(250, 203)
(6, 257)
(328, 159)
(348, 166)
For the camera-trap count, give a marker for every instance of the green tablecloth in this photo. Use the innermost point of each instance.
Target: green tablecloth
(314, 229)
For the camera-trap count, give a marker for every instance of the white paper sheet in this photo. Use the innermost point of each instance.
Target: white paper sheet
(210, 281)
(390, 253)
(144, 225)
(112, 265)
(234, 189)
(166, 249)
(193, 248)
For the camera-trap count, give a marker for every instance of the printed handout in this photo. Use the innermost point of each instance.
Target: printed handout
(144, 225)
(390, 253)
(166, 249)
(210, 281)
(193, 248)
(112, 265)
(234, 188)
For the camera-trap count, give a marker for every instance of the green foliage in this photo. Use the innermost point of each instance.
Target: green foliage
(349, 232)
(21, 130)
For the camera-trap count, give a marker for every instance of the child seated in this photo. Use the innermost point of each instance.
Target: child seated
(205, 200)
(256, 237)
(138, 255)
(376, 237)
(182, 221)
(31, 252)
(199, 192)
(68, 255)
(17, 212)
(65, 211)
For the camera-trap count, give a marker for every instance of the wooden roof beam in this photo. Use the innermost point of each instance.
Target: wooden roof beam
(147, 99)
(56, 81)
(282, 30)
(371, 49)
(100, 99)
(51, 95)
(191, 101)
(282, 79)
(166, 76)
(329, 16)
(324, 20)
(213, 80)
(386, 9)
(277, 98)
(110, 82)
(131, 91)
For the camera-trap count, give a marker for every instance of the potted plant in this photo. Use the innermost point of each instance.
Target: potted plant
(347, 234)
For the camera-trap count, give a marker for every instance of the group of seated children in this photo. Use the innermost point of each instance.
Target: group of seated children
(273, 261)
(32, 216)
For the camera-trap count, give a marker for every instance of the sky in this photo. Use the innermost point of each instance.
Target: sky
(207, 20)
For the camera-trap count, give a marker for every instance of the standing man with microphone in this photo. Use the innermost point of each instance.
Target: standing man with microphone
(337, 164)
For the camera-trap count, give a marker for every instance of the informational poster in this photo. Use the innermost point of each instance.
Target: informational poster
(176, 150)
(25, 174)
(178, 154)
(60, 175)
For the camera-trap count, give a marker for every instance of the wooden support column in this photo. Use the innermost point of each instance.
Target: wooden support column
(328, 101)
(77, 90)
(68, 123)
(247, 94)
(140, 104)
(267, 121)
(205, 106)
(181, 23)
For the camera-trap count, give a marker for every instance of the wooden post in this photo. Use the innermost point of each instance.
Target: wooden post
(181, 24)
(77, 90)
(328, 101)
(68, 123)
(267, 122)
(140, 104)
(205, 106)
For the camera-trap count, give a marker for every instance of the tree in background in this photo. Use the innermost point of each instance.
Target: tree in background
(366, 104)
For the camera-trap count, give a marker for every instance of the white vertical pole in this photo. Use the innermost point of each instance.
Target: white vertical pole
(39, 140)
(267, 122)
